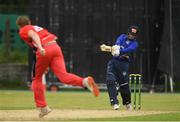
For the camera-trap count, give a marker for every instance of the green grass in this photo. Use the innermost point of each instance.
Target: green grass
(13, 85)
(158, 117)
(20, 100)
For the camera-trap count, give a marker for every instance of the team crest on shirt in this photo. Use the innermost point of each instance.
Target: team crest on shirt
(127, 42)
(124, 73)
(122, 47)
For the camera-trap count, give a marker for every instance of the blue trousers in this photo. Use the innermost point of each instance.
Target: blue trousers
(117, 80)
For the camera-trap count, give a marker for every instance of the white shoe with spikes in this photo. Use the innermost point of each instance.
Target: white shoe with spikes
(44, 111)
(116, 106)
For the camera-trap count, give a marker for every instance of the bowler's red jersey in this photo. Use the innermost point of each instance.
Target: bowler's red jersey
(44, 35)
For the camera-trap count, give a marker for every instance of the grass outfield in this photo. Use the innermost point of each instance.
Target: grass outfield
(155, 107)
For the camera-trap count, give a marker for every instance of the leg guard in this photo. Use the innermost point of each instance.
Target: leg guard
(125, 94)
(112, 91)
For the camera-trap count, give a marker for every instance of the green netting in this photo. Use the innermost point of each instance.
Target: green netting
(15, 42)
(12, 48)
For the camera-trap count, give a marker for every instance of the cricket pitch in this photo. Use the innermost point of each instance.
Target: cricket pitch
(70, 114)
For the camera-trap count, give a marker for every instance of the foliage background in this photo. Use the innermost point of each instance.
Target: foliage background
(12, 49)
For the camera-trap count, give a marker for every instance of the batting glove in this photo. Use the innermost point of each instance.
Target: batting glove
(115, 50)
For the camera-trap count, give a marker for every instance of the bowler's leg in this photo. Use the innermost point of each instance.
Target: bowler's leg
(58, 67)
(38, 87)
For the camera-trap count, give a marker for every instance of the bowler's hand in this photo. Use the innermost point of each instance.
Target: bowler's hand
(42, 51)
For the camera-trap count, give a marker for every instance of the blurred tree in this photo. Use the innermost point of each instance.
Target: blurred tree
(7, 38)
(8, 6)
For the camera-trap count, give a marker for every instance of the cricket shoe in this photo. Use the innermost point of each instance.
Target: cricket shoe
(116, 106)
(44, 111)
(91, 85)
(129, 107)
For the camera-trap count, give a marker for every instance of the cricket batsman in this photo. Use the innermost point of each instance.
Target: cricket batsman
(117, 74)
(48, 54)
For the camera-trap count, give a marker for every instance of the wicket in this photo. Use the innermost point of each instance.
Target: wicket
(135, 79)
